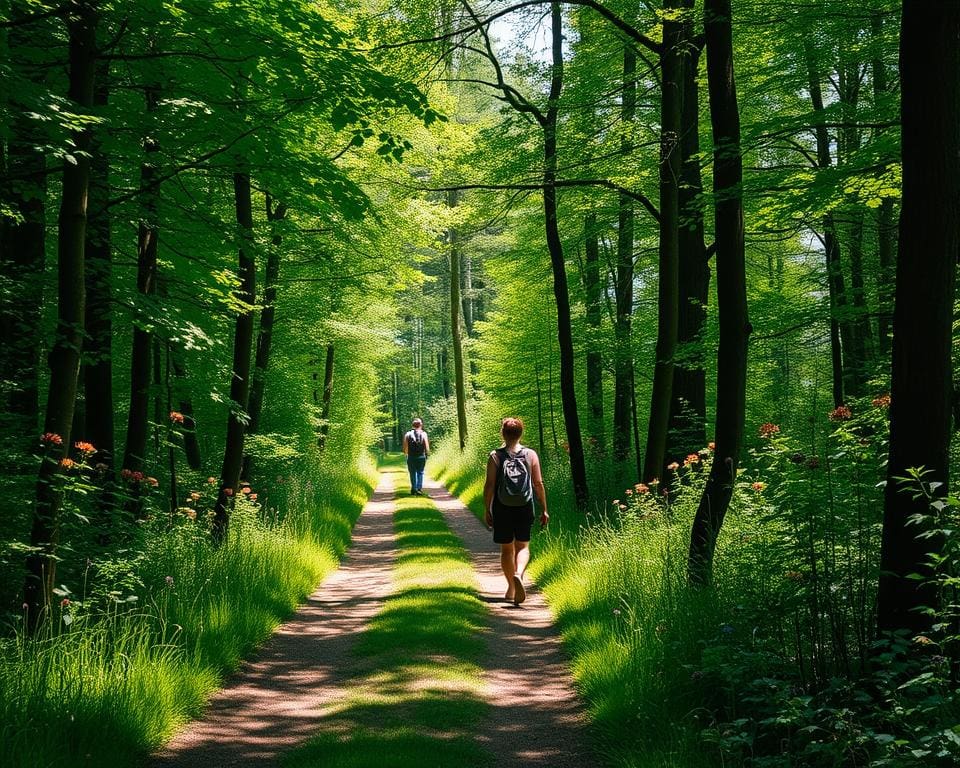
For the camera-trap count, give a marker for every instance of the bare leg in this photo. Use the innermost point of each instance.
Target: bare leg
(508, 559)
(522, 549)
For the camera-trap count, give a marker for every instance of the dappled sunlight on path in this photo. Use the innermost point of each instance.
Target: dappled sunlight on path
(276, 700)
(536, 718)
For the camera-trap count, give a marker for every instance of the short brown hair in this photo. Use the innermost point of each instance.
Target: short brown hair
(511, 428)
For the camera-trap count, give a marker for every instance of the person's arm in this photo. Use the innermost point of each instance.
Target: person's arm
(405, 449)
(489, 487)
(426, 445)
(538, 488)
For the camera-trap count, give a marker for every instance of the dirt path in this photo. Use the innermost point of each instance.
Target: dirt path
(278, 700)
(536, 717)
(275, 701)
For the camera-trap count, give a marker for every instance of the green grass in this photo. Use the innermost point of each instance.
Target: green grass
(632, 628)
(107, 689)
(416, 693)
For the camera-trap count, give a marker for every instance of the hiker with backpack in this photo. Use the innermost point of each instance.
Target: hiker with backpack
(416, 447)
(513, 479)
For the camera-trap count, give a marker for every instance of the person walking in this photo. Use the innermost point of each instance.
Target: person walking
(416, 447)
(513, 479)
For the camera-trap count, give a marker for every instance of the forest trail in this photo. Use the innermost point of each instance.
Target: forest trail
(279, 699)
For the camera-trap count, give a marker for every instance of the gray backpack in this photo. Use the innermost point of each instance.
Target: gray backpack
(514, 484)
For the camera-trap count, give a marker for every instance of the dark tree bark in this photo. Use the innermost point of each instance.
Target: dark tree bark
(134, 454)
(188, 430)
(568, 390)
(846, 379)
(98, 355)
(264, 343)
(623, 362)
(64, 358)
(668, 294)
(591, 284)
(22, 255)
(885, 225)
(731, 291)
(456, 332)
(242, 344)
(923, 316)
(327, 398)
(688, 408)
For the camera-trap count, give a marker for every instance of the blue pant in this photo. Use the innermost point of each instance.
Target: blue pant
(415, 465)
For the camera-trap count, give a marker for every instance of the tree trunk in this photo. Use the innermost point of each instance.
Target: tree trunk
(265, 332)
(623, 362)
(688, 409)
(929, 239)
(734, 325)
(137, 418)
(568, 389)
(188, 430)
(23, 254)
(885, 223)
(327, 397)
(842, 331)
(591, 284)
(98, 355)
(456, 329)
(668, 293)
(64, 358)
(242, 343)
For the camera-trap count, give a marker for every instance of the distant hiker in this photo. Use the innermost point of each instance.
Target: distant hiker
(513, 479)
(416, 447)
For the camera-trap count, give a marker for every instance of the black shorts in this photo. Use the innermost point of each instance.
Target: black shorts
(511, 523)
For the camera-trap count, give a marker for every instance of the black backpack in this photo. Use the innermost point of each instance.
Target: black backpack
(514, 484)
(416, 443)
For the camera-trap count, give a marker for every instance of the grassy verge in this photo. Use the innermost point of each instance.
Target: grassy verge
(103, 688)
(632, 628)
(417, 691)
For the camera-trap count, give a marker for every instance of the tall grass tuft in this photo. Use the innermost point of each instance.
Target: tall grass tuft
(115, 672)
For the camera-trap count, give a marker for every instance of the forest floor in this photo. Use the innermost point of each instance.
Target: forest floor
(528, 713)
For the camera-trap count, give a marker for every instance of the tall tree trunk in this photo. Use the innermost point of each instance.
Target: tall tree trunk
(731, 291)
(188, 431)
(242, 343)
(264, 343)
(568, 388)
(863, 353)
(668, 293)
(135, 450)
(456, 332)
(466, 261)
(98, 354)
(327, 398)
(885, 223)
(929, 240)
(591, 284)
(623, 362)
(65, 353)
(842, 331)
(23, 252)
(688, 408)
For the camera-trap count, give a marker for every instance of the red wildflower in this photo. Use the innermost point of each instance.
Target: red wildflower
(768, 430)
(65, 602)
(152, 482)
(211, 480)
(712, 446)
(245, 490)
(51, 438)
(881, 402)
(641, 488)
(67, 463)
(85, 448)
(228, 491)
(629, 492)
(126, 474)
(253, 497)
(176, 417)
(758, 486)
(841, 413)
(673, 466)
(692, 458)
(194, 496)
